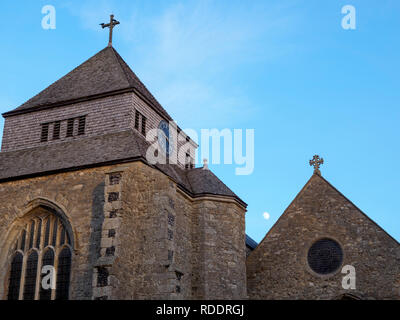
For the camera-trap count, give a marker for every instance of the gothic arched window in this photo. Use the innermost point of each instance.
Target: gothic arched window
(42, 248)
(63, 274)
(30, 276)
(47, 260)
(15, 276)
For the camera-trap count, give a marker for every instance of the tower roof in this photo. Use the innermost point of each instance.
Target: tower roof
(104, 74)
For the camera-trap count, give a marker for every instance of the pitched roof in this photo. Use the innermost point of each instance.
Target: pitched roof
(250, 242)
(204, 181)
(105, 73)
(69, 155)
(304, 191)
(119, 147)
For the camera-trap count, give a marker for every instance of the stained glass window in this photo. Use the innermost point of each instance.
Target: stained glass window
(23, 238)
(325, 256)
(39, 234)
(68, 239)
(63, 274)
(48, 260)
(62, 236)
(31, 234)
(47, 233)
(55, 226)
(30, 276)
(44, 226)
(15, 277)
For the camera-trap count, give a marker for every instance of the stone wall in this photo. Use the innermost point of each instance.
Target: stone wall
(162, 242)
(136, 234)
(219, 255)
(142, 263)
(80, 195)
(278, 267)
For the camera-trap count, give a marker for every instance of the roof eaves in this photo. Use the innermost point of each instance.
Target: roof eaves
(66, 102)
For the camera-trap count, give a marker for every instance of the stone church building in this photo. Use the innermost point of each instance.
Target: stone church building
(78, 195)
(318, 235)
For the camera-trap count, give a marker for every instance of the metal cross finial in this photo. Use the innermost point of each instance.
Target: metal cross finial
(110, 25)
(316, 163)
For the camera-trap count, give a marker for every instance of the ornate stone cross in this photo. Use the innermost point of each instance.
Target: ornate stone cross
(316, 163)
(110, 25)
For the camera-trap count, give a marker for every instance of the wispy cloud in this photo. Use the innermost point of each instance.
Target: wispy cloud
(187, 52)
(91, 13)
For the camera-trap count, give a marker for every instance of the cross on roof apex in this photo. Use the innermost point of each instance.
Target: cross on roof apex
(110, 25)
(316, 162)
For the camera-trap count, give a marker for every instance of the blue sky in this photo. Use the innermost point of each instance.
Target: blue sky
(286, 69)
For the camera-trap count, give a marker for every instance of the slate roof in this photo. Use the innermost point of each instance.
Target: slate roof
(105, 73)
(250, 242)
(204, 181)
(120, 147)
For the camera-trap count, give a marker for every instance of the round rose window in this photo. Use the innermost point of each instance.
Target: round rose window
(325, 256)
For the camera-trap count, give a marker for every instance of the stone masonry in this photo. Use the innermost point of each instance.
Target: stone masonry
(144, 230)
(136, 235)
(278, 267)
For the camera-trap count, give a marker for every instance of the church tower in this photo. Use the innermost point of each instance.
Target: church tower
(78, 194)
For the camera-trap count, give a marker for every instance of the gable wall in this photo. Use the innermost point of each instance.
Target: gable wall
(278, 268)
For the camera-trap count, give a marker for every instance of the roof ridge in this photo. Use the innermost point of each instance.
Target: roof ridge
(222, 182)
(134, 81)
(57, 81)
(357, 208)
(187, 178)
(335, 189)
(104, 73)
(206, 182)
(119, 58)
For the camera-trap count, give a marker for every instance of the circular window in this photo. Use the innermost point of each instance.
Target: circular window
(325, 256)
